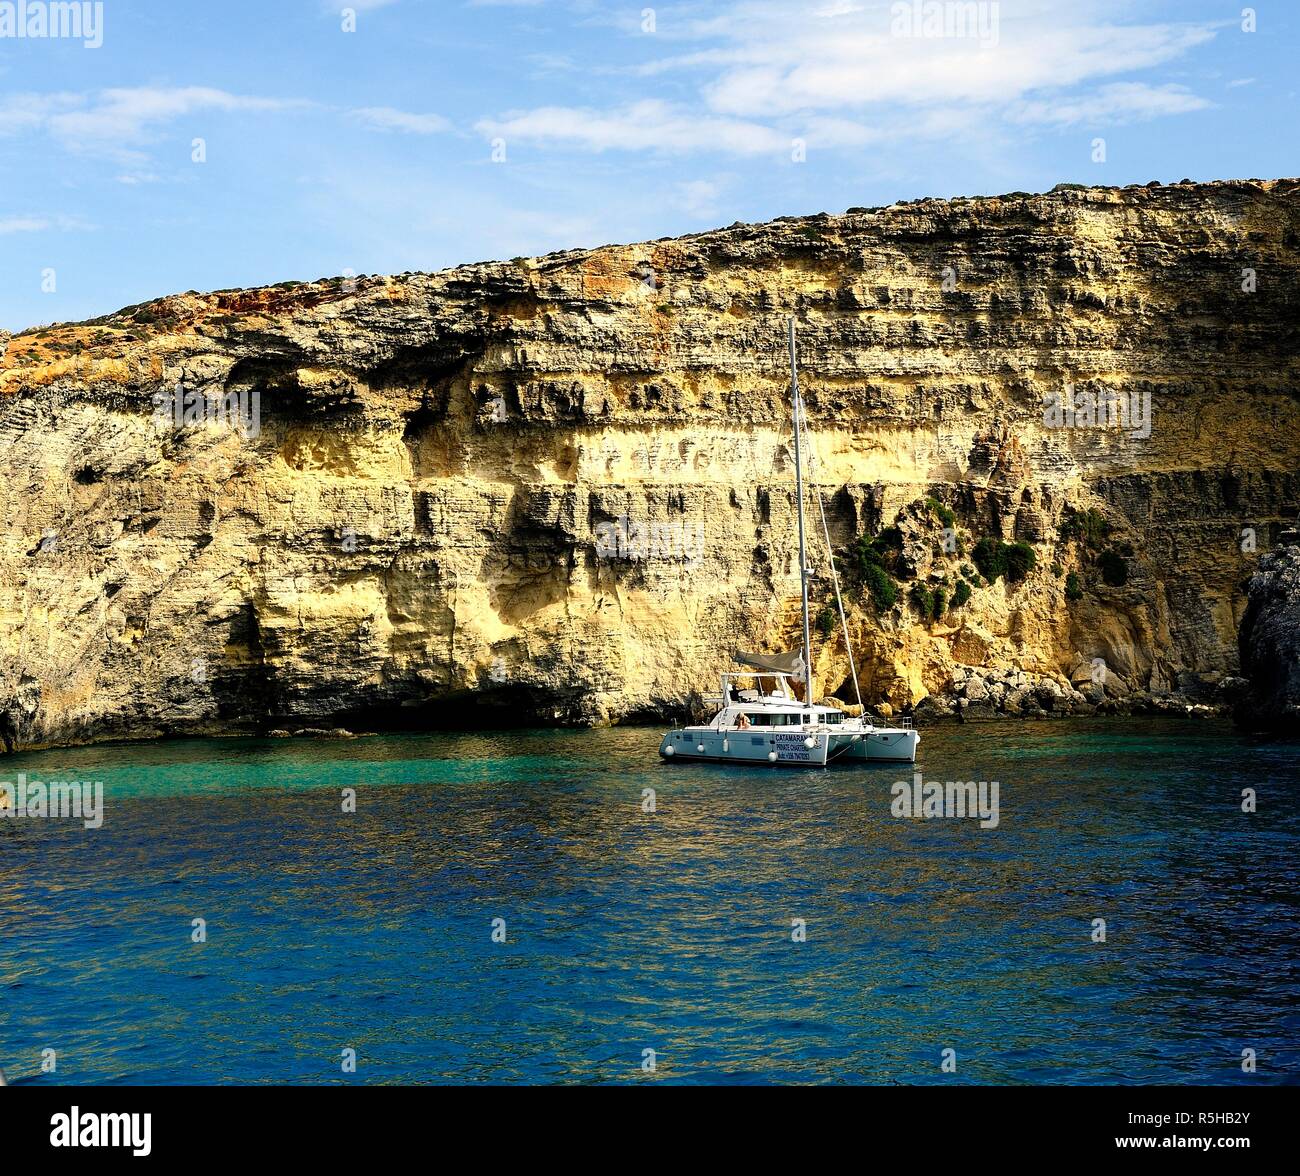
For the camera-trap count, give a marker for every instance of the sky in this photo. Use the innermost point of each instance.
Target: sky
(179, 145)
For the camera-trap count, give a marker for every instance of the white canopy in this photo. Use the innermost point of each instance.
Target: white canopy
(776, 663)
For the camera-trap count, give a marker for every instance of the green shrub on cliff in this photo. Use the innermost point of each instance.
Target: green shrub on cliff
(863, 555)
(889, 539)
(877, 552)
(869, 563)
(1088, 526)
(1073, 589)
(990, 557)
(881, 586)
(961, 595)
(946, 516)
(995, 558)
(1020, 561)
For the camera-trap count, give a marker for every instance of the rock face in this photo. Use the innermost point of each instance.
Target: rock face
(1270, 645)
(559, 489)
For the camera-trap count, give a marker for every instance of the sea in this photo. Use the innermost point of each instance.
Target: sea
(560, 906)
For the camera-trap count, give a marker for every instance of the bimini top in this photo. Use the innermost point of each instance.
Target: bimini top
(776, 663)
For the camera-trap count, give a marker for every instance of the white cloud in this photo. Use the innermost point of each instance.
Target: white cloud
(123, 117)
(649, 125)
(545, 64)
(117, 122)
(399, 216)
(829, 133)
(23, 224)
(26, 112)
(386, 118)
(41, 224)
(114, 122)
(1119, 102)
(697, 198)
(830, 69)
(837, 8)
(844, 75)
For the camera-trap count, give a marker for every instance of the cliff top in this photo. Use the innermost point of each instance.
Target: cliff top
(45, 354)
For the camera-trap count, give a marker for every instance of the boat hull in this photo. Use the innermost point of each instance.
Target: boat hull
(746, 747)
(789, 749)
(894, 744)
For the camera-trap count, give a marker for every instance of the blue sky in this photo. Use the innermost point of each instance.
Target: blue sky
(372, 150)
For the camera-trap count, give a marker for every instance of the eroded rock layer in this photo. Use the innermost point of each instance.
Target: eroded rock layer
(563, 484)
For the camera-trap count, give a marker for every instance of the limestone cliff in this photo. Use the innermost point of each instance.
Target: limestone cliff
(563, 484)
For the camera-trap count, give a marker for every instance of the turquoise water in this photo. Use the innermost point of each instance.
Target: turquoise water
(672, 931)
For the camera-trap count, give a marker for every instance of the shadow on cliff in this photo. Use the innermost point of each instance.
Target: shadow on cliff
(510, 707)
(1269, 644)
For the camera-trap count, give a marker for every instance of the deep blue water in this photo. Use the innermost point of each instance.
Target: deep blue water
(672, 931)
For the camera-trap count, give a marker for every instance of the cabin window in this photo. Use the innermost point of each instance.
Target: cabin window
(832, 718)
(759, 720)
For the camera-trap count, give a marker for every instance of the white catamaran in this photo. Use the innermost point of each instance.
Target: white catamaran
(761, 720)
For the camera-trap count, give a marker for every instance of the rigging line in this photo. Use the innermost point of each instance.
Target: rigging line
(815, 464)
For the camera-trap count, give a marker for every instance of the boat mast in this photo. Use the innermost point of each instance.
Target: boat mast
(803, 550)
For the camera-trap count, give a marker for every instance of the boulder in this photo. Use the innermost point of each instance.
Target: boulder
(933, 707)
(1046, 694)
(972, 645)
(1018, 701)
(1198, 687)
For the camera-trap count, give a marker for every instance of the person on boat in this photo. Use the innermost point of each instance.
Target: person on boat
(742, 722)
